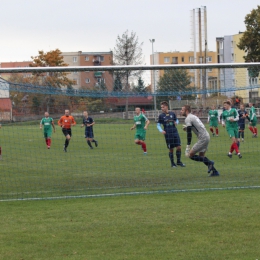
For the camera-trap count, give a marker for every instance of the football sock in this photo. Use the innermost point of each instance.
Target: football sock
(46, 141)
(178, 155)
(211, 130)
(49, 142)
(66, 143)
(200, 159)
(139, 143)
(231, 148)
(93, 141)
(171, 157)
(251, 129)
(89, 144)
(242, 134)
(238, 144)
(239, 133)
(235, 147)
(144, 146)
(217, 131)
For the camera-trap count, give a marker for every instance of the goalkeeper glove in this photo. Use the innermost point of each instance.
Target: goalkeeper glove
(187, 151)
(184, 128)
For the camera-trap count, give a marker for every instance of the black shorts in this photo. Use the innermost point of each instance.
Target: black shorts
(89, 134)
(67, 131)
(173, 141)
(241, 127)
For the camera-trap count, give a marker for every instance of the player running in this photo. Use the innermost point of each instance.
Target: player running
(213, 119)
(253, 120)
(88, 122)
(47, 123)
(193, 124)
(242, 114)
(66, 122)
(229, 119)
(141, 125)
(169, 120)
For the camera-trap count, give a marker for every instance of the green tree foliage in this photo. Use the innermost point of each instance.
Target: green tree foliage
(140, 88)
(250, 41)
(117, 83)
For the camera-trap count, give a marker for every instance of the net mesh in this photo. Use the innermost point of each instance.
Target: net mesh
(117, 165)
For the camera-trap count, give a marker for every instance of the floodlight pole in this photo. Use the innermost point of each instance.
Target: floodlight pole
(154, 87)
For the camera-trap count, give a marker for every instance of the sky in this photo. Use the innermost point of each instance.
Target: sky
(93, 25)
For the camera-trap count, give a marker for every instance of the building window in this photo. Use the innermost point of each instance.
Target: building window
(210, 70)
(99, 80)
(75, 72)
(209, 59)
(221, 71)
(175, 60)
(182, 59)
(166, 59)
(232, 56)
(101, 58)
(253, 81)
(87, 80)
(75, 59)
(253, 94)
(191, 59)
(221, 45)
(86, 58)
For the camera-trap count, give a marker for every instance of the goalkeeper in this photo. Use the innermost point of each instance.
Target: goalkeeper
(193, 124)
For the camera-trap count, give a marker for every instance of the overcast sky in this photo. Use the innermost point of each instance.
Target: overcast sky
(93, 25)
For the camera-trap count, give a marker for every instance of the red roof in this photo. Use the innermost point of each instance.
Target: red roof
(131, 101)
(5, 104)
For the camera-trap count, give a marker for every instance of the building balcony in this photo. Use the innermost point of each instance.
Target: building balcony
(97, 74)
(96, 62)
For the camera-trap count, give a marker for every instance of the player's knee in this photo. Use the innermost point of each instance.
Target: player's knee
(68, 137)
(178, 148)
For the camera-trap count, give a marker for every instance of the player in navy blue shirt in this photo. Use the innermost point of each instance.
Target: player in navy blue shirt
(169, 120)
(88, 122)
(241, 122)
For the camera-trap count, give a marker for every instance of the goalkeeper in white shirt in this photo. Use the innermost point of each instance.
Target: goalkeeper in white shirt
(193, 124)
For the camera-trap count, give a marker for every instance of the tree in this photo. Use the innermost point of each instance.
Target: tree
(175, 83)
(250, 41)
(54, 79)
(140, 88)
(128, 51)
(117, 83)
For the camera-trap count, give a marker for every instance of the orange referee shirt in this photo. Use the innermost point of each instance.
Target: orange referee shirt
(66, 121)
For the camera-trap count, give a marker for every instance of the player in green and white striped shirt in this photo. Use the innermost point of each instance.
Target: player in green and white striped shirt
(253, 120)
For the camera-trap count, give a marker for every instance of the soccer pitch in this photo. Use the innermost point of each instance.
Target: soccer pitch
(117, 165)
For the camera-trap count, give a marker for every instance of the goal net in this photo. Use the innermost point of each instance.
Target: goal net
(111, 162)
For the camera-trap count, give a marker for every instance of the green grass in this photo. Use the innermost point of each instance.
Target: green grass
(194, 225)
(29, 170)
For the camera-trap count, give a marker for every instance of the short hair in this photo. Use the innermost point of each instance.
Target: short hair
(164, 103)
(227, 102)
(187, 108)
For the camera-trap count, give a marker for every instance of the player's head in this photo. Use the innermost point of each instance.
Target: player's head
(67, 112)
(227, 104)
(46, 114)
(251, 104)
(185, 110)
(242, 107)
(137, 110)
(85, 114)
(213, 107)
(164, 106)
(230, 101)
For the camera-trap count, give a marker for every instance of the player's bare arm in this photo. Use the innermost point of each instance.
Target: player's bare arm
(146, 124)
